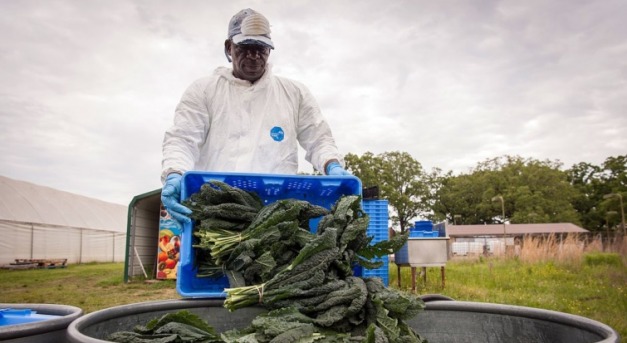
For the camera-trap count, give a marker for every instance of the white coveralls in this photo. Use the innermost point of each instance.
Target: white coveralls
(225, 124)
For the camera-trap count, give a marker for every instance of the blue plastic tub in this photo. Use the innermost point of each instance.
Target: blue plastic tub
(45, 323)
(416, 233)
(423, 225)
(319, 190)
(423, 234)
(12, 316)
(440, 228)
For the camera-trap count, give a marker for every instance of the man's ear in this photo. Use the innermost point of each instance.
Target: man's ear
(227, 46)
(227, 49)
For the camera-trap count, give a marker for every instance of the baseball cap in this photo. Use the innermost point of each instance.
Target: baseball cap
(250, 27)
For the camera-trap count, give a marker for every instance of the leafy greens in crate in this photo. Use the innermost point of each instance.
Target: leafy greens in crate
(304, 279)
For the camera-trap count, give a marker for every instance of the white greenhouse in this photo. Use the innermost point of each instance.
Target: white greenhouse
(38, 222)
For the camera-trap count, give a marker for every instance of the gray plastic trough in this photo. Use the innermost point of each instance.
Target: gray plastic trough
(51, 330)
(443, 321)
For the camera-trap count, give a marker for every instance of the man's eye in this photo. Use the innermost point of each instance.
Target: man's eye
(260, 50)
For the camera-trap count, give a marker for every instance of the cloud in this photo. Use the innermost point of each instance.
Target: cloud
(88, 88)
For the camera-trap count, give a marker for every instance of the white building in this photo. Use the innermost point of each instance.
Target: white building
(38, 222)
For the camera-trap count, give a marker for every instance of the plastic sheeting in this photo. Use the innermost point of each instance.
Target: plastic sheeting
(38, 222)
(28, 241)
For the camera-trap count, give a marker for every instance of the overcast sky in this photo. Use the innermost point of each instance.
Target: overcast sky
(87, 88)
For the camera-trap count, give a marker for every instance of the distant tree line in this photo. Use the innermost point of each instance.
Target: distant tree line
(532, 191)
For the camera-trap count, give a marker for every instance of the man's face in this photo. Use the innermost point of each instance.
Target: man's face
(249, 60)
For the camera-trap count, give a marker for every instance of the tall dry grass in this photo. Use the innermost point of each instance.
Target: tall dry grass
(569, 249)
(618, 245)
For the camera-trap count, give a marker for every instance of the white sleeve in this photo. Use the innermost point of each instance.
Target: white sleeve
(182, 141)
(314, 133)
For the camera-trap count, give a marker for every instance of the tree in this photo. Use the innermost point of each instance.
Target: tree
(435, 181)
(585, 178)
(463, 196)
(400, 179)
(532, 191)
(592, 183)
(615, 173)
(366, 168)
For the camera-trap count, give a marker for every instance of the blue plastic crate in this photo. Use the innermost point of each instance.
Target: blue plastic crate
(382, 272)
(377, 211)
(378, 219)
(319, 190)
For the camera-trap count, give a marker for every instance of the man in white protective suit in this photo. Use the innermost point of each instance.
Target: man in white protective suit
(245, 119)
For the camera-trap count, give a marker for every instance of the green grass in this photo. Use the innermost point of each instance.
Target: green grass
(595, 288)
(602, 259)
(88, 286)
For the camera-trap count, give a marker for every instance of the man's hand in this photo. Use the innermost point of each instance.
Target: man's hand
(335, 169)
(171, 198)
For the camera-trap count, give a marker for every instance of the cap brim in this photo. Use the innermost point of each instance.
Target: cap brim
(241, 39)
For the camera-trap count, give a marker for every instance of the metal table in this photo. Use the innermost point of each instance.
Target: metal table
(423, 252)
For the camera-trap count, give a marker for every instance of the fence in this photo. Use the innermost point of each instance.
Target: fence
(77, 245)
